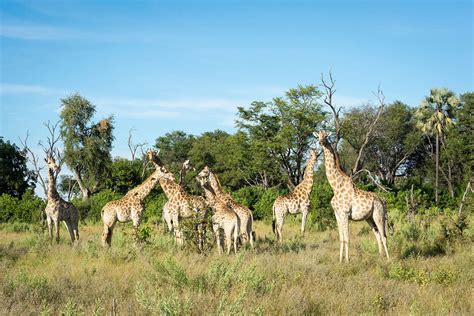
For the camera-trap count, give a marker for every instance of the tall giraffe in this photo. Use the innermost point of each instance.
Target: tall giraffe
(351, 203)
(296, 201)
(130, 206)
(243, 212)
(224, 218)
(180, 204)
(57, 209)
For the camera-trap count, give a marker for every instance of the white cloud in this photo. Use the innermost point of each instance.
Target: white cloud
(9, 88)
(38, 32)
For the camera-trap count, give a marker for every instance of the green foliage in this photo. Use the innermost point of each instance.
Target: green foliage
(154, 206)
(281, 130)
(15, 178)
(321, 214)
(87, 145)
(90, 210)
(28, 209)
(124, 175)
(227, 155)
(263, 208)
(174, 149)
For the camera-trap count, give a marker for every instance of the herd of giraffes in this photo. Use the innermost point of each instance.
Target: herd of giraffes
(233, 220)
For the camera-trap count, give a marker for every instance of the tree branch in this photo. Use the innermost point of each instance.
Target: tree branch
(34, 160)
(381, 98)
(369, 174)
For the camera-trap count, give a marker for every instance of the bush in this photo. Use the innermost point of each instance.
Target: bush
(154, 207)
(28, 209)
(263, 209)
(321, 214)
(90, 209)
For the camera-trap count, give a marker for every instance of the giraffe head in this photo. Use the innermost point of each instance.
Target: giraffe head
(51, 163)
(162, 173)
(322, 135)
(203, 176)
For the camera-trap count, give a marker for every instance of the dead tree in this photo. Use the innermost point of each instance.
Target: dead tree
(134, 147)
(381, 98)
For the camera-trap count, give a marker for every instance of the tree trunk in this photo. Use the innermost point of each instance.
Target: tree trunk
(84, 190)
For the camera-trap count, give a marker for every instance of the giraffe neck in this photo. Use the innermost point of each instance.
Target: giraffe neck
(182, 175)
(333, 170)
(307, 183)
(209, 192)
(216, 186)
(142, 191)
(170, 187)
(52, 192)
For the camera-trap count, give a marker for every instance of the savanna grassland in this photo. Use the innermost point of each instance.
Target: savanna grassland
(301, 276)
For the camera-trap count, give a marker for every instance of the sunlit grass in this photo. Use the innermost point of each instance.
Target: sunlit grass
(301, 276)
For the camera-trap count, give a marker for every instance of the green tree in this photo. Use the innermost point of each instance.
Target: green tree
(15, 178)
(393, 148)
(87, 145)
(227, 155)
(68, 186)
(174, 149)
(125, 174)
(282, 129)
(435, 115)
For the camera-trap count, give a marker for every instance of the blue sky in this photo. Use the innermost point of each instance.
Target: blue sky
(186, 65)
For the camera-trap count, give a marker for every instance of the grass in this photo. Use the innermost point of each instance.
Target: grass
(302, 276)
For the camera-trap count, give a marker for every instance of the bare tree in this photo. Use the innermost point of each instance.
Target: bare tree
(330, 90)
(49, 149)
(134, 147)
(381, 98)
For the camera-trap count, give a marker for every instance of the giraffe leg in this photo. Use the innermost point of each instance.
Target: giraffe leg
(50, 228)
(228, 240)
(70, 230)
(345, 225)
(376, 232)
(303, 220)
(341, 236)
(236, 236)
(379, 218)
(56, 226)
(216, 229)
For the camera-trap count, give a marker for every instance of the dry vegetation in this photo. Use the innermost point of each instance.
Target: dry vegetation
(302, 276)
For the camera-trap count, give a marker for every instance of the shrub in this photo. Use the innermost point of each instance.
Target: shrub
(27, 209)
(263, 209)
(91, 208)
(154, 206)
(321, 214)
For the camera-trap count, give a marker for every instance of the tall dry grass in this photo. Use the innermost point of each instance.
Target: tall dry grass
(301, 276)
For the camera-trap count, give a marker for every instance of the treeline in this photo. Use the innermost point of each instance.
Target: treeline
(419, 157)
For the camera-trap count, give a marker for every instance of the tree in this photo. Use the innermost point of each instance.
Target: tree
(15, 178)
(285, 126)
(393, 147)
(124, 175)
(435, 116)
(68, 187)
(87, 145)
(174, 148)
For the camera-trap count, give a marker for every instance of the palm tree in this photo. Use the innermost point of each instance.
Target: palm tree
(435, 116)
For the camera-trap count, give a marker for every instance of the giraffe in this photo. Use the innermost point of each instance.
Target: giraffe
(198, 202)
(296, 201)
(179, 204)
(57, 209)
(130, 206)
(224, 218)
(351, 203)
(243, 212)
